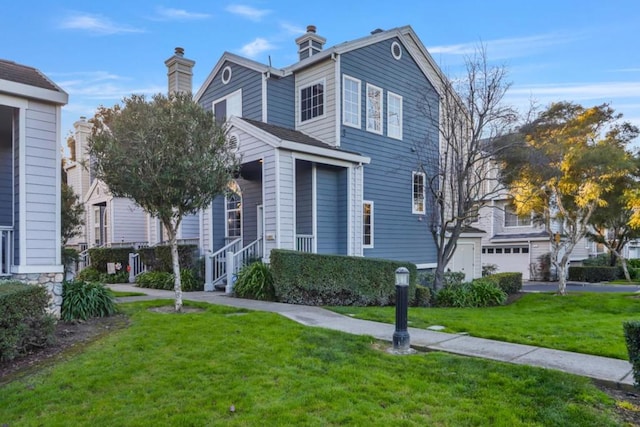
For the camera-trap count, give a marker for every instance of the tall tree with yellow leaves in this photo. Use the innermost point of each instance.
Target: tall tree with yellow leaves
(566, 162)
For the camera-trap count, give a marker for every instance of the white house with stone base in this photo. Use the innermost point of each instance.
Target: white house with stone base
(30, 177)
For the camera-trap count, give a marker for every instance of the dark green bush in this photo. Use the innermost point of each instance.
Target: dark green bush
(423, 296)
(314, 279)
(189, 281)
(82, 300)
(602, 260)
(89, 274)
(593, 274)
(24, 323)
(255, 281)
(450, 278)
(158, 258)
(632, 339)
(101, 256)
(633, 263)
(479, 293)
(510, 283)
(155, 280)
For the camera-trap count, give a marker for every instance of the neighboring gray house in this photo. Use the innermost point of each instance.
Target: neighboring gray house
(30, 176)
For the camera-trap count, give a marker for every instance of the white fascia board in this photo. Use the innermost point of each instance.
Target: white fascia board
(325, 152)
(29, 91)
(228, 56)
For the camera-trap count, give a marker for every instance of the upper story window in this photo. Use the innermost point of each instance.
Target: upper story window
(374, 109)
(351, 101)
(511, 219)
(312, 101)
(419, 193)
(225, 107)
(394, 115)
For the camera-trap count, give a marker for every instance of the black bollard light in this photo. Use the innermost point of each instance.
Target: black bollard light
(401, 342)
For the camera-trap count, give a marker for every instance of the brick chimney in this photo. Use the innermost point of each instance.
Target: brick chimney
(179, 72)
(310, 43)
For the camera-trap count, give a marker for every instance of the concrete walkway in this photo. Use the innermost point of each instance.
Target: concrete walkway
(614, 371)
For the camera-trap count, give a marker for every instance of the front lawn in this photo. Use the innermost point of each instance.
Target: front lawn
(227, 366)
(589, 323)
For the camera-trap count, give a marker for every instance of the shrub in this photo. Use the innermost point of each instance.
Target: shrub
(423, 296)
(633, 263)
(314, 279)
(255, 281)
(593, 274)
(121, 276)
(89, 274)
(510, 283)
(24, 323)
(158, 258)
(489, 269)
(82, 300)
(479, 293)
(155, 280)
(450, 278)
(632, 339)
(602, 260)
(101, 256)
(189, 281)
(542, 269)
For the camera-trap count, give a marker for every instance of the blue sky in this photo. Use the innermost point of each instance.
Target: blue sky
(582, 51)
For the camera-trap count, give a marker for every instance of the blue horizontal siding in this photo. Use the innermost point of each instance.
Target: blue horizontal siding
(304, 193)
(399, 234)
(331, 210)
(281, 101)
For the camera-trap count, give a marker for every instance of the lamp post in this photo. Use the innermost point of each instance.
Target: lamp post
(401, 343)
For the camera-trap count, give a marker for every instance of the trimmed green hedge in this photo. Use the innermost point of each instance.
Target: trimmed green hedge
(158, 258)
(510, 283)
(101, 256)
(165, 281)
(314, 279)
(632, 339)
(593, 274)
(24, 323)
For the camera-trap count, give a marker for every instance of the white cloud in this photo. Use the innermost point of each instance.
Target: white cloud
(248, 12)
(179, 14)
(256, 47)
(508, 47)
(96, 24)
(101, 86)
(292, 29)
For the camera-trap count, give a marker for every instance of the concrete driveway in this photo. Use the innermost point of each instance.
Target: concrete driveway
(531, 286)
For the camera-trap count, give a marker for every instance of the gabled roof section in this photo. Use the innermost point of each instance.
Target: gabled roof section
(294, 140)
(29, 82)
(236, 59)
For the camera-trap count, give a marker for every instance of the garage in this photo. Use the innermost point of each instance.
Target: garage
(508, 258)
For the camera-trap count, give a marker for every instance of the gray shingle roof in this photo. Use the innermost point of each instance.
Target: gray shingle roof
(18, 73)
(287, 134)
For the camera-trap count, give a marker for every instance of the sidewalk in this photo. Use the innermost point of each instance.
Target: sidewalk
(614, 371)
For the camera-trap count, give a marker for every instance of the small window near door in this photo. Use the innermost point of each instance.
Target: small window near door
(367, 224)
(233, 212)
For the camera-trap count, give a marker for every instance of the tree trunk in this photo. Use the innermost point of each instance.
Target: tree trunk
(177, 284)
(562, 278)
(623, 260)
(438, 278)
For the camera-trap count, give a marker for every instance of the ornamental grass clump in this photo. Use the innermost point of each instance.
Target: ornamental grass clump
(255, 281)
(83, 300)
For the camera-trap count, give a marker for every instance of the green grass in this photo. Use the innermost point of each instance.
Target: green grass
(127, 294)
(622, 282)
(584, 322)
(189, 369)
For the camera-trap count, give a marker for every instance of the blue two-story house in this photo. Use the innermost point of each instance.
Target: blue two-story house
(328, 149)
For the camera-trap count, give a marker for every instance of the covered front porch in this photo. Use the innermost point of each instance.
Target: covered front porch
(284, 198)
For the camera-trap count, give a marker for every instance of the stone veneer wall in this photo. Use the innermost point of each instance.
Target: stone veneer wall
(53, 283)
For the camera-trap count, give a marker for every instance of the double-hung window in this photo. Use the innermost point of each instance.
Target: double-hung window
(419, 193)
(230, 105)
(351, 101)
(312, 101)
(367, 224)
(512, 219)
(394, 115)
(374, 109)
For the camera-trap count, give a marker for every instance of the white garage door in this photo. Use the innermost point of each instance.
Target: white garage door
(508, 259)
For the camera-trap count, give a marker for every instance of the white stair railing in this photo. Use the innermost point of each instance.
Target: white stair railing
(304, 243)
(84, 260)
(136, 266)
(235, 261)
(6, 239)
(215, 266)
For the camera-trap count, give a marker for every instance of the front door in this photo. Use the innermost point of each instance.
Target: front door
(464, 260)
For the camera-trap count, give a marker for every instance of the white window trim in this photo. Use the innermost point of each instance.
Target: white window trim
(504, 222)
(393, 45)
(369, 129)
(424, 193)
(400, 113)
(299, 120)
(226, 97)
(357, 125)
(222, 79)
(370, 245)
